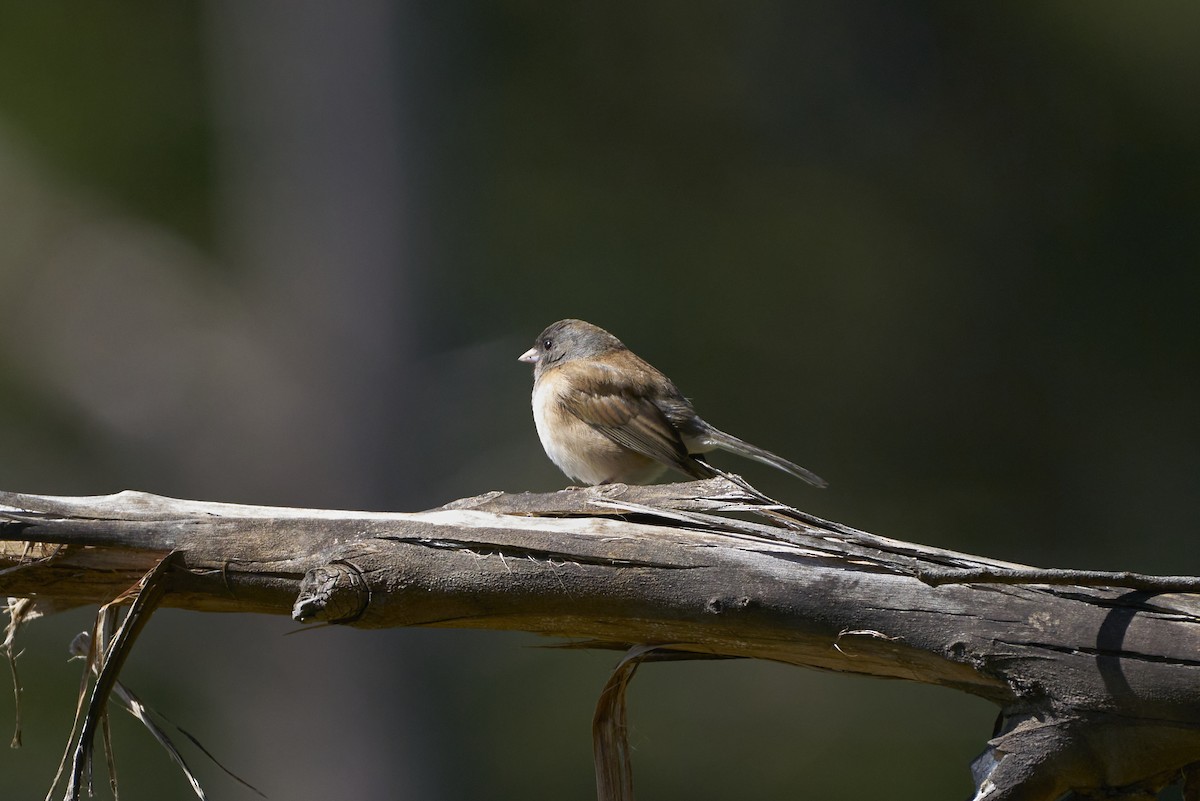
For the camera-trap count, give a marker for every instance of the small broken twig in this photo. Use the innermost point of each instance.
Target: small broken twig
(1055, 576)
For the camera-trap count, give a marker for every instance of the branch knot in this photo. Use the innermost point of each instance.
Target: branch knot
(333, 593)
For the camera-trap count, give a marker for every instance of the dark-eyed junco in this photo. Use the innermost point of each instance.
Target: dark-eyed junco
(606, 416)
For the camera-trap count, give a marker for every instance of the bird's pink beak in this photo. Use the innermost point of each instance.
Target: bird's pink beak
(529, 356)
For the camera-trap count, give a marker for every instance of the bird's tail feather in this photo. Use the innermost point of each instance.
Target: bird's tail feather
(728, 442)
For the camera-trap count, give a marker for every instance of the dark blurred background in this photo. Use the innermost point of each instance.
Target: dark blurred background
(943, 254)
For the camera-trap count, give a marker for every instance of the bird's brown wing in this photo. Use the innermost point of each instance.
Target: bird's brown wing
(628, 416)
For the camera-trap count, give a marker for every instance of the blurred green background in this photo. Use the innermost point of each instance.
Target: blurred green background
(943, 254)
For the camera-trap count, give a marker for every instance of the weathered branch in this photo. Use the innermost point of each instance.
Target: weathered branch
(1098, 686)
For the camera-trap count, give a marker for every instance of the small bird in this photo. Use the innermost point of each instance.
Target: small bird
(606, 416)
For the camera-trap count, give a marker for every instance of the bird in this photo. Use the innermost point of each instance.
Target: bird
(606, 416)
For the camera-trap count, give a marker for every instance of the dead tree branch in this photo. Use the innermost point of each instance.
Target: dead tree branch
(1097, 679)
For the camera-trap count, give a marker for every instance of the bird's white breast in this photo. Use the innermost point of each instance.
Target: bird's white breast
(555, 436)
(542, 400)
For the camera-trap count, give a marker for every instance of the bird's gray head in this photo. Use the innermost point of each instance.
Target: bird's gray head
(567, 340)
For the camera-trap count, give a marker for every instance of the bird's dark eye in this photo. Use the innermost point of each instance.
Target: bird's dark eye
(547, 344)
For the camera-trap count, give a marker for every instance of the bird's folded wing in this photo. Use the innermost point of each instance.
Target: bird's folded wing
(633, 421)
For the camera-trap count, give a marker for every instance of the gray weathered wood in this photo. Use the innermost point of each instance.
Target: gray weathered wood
(1099, 688)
